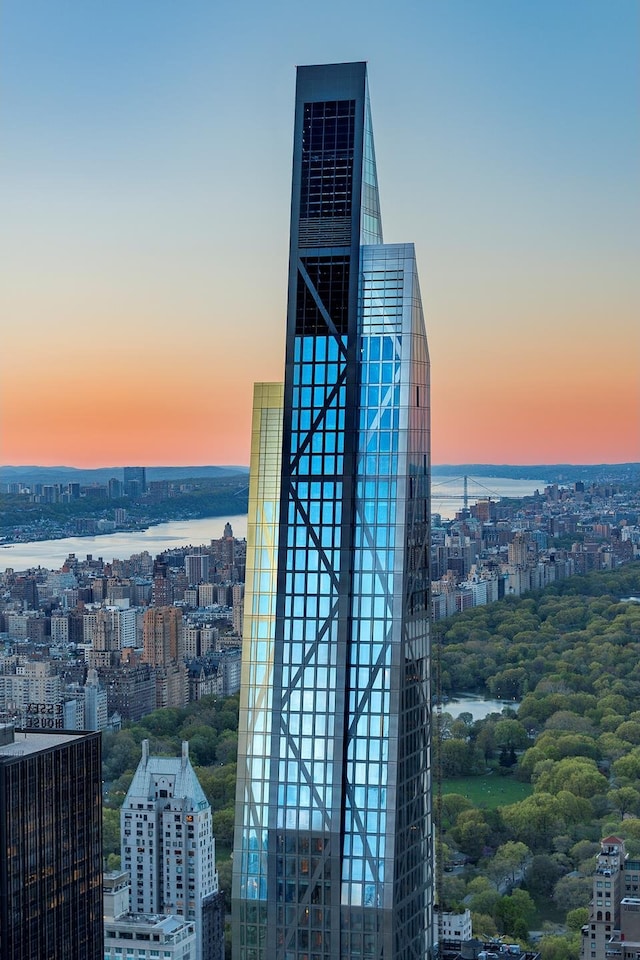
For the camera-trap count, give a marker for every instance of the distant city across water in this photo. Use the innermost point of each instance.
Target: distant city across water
(446, 500)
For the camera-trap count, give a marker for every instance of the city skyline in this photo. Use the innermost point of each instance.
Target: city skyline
(140, 153)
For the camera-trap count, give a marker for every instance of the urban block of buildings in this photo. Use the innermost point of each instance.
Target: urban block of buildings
(496, 549)
(93, 644)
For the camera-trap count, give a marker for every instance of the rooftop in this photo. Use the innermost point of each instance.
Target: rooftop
(160, 921)
(27, 742)
(185, 786)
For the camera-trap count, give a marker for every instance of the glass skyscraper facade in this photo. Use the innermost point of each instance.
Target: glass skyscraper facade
(333, 853)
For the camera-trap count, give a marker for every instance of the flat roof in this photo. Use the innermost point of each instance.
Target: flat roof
(27, 742)
(168, 923)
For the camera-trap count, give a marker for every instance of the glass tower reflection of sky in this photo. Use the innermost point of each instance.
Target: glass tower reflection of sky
(333, 851)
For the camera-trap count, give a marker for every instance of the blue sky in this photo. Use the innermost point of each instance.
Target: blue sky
(144, 195)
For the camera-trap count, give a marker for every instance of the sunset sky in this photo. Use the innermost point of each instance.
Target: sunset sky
(145, 158)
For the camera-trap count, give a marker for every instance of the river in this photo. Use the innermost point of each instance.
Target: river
(163, 536)
(446, 499)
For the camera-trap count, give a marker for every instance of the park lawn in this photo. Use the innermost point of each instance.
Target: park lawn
(489, 791)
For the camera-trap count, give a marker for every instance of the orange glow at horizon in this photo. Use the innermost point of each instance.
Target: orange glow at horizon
(164, 413)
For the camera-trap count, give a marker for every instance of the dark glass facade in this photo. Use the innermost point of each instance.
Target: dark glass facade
(51, 843)
(333, 855)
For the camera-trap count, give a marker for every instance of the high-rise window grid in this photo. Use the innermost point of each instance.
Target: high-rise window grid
(340, 855)
(327, 159)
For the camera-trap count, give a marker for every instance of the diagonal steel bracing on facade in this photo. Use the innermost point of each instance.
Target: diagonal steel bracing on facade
(315, 426)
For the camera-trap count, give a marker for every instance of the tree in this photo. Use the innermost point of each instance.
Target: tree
(482, 896)
(628, 766)
(227, 749)
(515, 913)
(583, 850)
(624, 800)
(569, 722)
(610, 746)
(121, 753)
(471, 832)
(223, 824)
(508, 862)
(530, 760)
(629, 731)
(508, 684)
(541, 876)
(450, 806)
(572, 892)
(219, 785)
(632, 827)
(110, 831)
(534, 819)
(458, 758)
(202, 748)
(558, 948)
(578, 775)
(118, 790)
(484, 739)
(577, 918)
(510, 734)
(453, 892)
(574, 809)
(225, 866)
(484, 926)
(164, 722)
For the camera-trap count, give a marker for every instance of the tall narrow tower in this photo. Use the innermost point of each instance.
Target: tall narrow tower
(333, 848)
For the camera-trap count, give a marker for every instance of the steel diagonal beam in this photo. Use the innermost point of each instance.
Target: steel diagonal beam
(319, 418)
(362, 832)
(375, 669)
(312, 651)
(303, 769)
(382, 574)
(321, 307)
(313, 536)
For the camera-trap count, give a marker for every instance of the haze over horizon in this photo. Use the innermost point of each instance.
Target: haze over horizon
(144, 204)
(241, 466)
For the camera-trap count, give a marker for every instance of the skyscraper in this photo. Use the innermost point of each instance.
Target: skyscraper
(168, 847)
(50, 845)
(333, 850)
(135, 481)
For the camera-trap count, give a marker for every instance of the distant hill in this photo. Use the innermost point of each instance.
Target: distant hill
(551, 472)
(33, 474)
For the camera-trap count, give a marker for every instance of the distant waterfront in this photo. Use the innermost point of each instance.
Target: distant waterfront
(447, 492)
(446, 500)
(163, 536)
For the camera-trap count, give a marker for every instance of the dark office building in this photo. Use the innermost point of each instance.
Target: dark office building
(333, 853)
(135, 481)
(50, 846)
